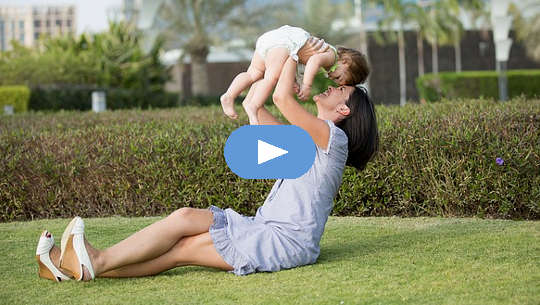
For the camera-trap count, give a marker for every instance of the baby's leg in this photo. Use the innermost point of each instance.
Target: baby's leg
(274, 61)
(241, 82)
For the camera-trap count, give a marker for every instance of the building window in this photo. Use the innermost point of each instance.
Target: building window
(37, 23)
(48, 23)
(21, 38)
(21, 25)
(68, 23)
(58, 22)
(36, 36)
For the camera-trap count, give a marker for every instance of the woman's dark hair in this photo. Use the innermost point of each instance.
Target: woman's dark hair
(360, 126)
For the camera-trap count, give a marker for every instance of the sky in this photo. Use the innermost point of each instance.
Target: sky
(91, 14)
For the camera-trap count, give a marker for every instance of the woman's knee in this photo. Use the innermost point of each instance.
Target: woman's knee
(191, 220)
(182, 213)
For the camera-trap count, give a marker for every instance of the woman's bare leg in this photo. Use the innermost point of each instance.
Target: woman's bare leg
(152, 241)
(192, 250)
(274, 61)
(240, 83)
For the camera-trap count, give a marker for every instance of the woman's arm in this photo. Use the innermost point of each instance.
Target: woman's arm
(284, 99)
(313, 65)
(266, 118)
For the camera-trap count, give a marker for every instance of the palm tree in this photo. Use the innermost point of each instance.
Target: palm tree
(435, 33)
(476, 9)
(422, 24)
(195, 25)
(452, 27)
(527, 29)
(317, 17)
(363, 35)
(397, 14)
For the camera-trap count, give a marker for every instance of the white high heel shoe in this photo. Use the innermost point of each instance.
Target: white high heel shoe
(74, 254)
(47, 270)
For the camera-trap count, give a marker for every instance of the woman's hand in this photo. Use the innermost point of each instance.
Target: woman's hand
(305, 92)
(312, 46)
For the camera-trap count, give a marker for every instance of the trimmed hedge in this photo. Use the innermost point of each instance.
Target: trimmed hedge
(16, 96)
(477, 84)
(435, 160)
(80, 98)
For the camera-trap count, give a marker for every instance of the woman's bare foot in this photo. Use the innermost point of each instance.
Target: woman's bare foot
(54, 254)
(227, 103)
(93, 254)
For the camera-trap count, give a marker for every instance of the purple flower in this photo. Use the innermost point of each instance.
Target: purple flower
(499, 161)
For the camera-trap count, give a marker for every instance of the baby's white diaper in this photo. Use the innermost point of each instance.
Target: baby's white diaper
(289, 37)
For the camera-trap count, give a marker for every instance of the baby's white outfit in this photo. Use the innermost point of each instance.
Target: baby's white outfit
(293, 39)
(289, 37)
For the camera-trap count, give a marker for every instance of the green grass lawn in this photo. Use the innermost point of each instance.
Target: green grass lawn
(363, 261)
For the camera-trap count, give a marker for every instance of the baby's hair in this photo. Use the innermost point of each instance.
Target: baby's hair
(358, 66)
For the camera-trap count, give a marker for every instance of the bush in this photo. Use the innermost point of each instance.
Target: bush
(16, 96)
(475, 84)
(80, 98)
(435, 160)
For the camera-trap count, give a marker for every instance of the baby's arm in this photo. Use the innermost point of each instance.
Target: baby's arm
(313, 65)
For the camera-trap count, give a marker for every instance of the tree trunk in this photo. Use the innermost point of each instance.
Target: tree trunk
(363, 36)
(457, 50)
(435, 57)
(364, 49)
(199, 74)
(420, 47)
(402, 75)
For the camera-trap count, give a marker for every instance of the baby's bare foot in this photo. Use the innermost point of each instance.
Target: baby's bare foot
(227, 103)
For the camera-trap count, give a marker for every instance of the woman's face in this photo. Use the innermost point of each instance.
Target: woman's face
(333, 96)
(331, 104)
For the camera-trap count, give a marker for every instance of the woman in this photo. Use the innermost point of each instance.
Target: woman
(284, 233)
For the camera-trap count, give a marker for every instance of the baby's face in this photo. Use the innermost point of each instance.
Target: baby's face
(341, 74)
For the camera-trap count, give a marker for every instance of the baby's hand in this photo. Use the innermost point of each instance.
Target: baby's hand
(305, 92)
(296, 88)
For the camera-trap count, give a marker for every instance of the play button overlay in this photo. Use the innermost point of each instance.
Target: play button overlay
(269, 151)
(266, 152)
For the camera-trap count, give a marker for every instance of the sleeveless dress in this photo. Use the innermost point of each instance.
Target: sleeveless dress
(287, 228)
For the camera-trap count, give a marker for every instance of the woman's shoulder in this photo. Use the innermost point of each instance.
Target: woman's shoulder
(337, 141)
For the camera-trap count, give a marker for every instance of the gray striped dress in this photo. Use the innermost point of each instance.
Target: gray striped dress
(288, 227)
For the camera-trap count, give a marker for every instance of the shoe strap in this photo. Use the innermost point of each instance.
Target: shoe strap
(46, 260)
(82, 254)
(78, 227)
(45, 245)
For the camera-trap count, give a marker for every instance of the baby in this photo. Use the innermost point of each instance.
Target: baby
(343, 65)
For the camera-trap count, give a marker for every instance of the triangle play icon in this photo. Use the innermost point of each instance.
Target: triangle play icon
(267, 152)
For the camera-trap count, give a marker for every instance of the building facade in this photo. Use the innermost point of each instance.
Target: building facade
(26, 24)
